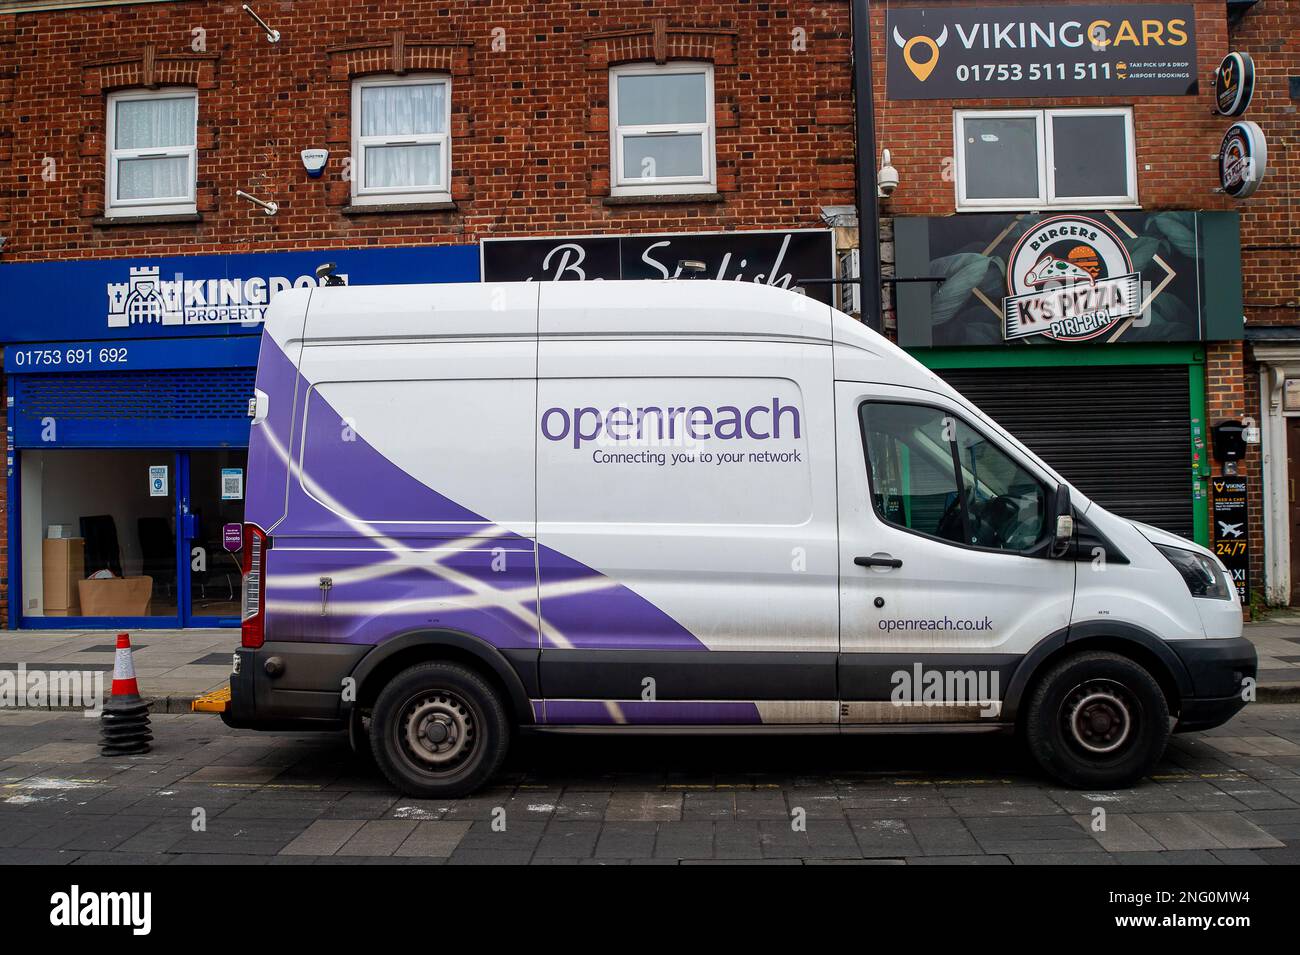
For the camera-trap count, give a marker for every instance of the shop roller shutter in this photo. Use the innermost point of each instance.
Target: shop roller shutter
(200, 408)
(1121, 434)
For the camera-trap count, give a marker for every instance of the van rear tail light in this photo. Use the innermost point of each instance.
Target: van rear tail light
(251, 629)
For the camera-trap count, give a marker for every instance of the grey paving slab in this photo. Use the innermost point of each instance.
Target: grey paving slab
(569, 839)
(1235, 831)
(1177, 831)
(1119, 833)
(378, 837)
(323, 837)
(943, 836)
(626, 840)
(435, 839)
(644, 807)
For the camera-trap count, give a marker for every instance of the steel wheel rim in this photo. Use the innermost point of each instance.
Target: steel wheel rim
(1099, 717)
(438, 731)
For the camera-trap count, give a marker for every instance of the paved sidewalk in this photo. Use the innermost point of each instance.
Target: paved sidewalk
(175, 666)
(172, 666)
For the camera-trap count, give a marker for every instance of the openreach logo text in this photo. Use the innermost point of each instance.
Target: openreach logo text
(52, 689)
(76, 908)
(666, 424)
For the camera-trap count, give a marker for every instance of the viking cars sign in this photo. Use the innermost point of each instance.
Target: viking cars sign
(1059, 49)
(1069, 279)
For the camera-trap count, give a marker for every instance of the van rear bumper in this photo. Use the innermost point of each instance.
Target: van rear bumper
(291, 685)
(1217, 670)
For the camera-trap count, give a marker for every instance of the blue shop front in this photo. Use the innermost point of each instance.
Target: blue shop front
(128, 384)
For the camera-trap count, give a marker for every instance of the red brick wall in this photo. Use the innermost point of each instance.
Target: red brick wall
(1270, 219)
(531, 146)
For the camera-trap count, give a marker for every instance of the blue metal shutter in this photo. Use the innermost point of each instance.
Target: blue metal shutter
(203, 408)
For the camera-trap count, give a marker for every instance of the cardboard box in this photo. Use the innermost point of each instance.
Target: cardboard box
(63, 564)
(116, 596)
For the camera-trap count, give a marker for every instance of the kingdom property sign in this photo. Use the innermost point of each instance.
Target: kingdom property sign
(1059, 49)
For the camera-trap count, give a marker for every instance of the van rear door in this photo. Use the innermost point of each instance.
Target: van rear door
(412, 503)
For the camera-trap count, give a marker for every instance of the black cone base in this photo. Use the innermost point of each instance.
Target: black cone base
(124, 726)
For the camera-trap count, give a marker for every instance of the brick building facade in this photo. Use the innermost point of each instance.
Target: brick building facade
(1176, 140)
(529, 118)
(530, 123)
(526, 91)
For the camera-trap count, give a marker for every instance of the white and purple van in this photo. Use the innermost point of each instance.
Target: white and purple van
(684, 507)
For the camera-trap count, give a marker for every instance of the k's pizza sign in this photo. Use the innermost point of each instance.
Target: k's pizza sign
(1069, 278)
(1095, 277)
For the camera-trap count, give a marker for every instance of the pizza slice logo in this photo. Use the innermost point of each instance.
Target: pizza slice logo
(1069, 279)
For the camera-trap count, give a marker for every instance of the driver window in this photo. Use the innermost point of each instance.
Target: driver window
(931, 472)
(913, 481)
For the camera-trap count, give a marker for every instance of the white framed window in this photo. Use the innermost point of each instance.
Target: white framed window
(401, 139)
(1034, 158)
(152, 153)
(661, 129)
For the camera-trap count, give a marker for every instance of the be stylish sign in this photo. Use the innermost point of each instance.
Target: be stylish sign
(785, 259)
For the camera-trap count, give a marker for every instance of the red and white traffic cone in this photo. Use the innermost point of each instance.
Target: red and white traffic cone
(125, 720)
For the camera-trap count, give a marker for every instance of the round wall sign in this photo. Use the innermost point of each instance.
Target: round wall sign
(1243, 158)
(1234, 84)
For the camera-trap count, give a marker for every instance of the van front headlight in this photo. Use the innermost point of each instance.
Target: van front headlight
(1200, 573)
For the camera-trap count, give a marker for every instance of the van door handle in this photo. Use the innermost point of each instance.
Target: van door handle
(877, 562)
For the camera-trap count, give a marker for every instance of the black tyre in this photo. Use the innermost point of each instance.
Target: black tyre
(439, 731)
(1097, 720)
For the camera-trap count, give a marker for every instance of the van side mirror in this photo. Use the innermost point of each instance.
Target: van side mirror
(1063, 514)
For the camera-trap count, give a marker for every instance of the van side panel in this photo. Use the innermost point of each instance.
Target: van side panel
(699, 474)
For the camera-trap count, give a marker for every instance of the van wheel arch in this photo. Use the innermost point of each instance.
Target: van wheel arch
(1142, 647)
(398, 653)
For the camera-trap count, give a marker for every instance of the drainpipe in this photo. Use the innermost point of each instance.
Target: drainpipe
(865, 147)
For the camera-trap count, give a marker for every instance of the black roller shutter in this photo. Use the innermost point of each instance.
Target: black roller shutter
(1120, 433)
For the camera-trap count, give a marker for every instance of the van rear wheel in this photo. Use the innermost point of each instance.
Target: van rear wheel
(439, 731)
(1097, 720)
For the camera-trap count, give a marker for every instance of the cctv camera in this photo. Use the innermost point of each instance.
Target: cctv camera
(887, 179)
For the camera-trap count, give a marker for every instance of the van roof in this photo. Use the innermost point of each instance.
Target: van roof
(607, 309)
(490, 309)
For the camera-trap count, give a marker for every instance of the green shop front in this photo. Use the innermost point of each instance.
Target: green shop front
(1085, 335)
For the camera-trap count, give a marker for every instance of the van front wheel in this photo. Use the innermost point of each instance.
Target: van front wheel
(1097, 720)
(439, 731)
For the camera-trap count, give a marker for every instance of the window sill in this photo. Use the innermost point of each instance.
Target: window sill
(180, 218)
(663, 198)
(388, 208)
(1052, 208)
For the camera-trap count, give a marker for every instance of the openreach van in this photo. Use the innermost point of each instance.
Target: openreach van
(684, 507)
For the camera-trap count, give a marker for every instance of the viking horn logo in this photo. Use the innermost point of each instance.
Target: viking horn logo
(921, 71)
